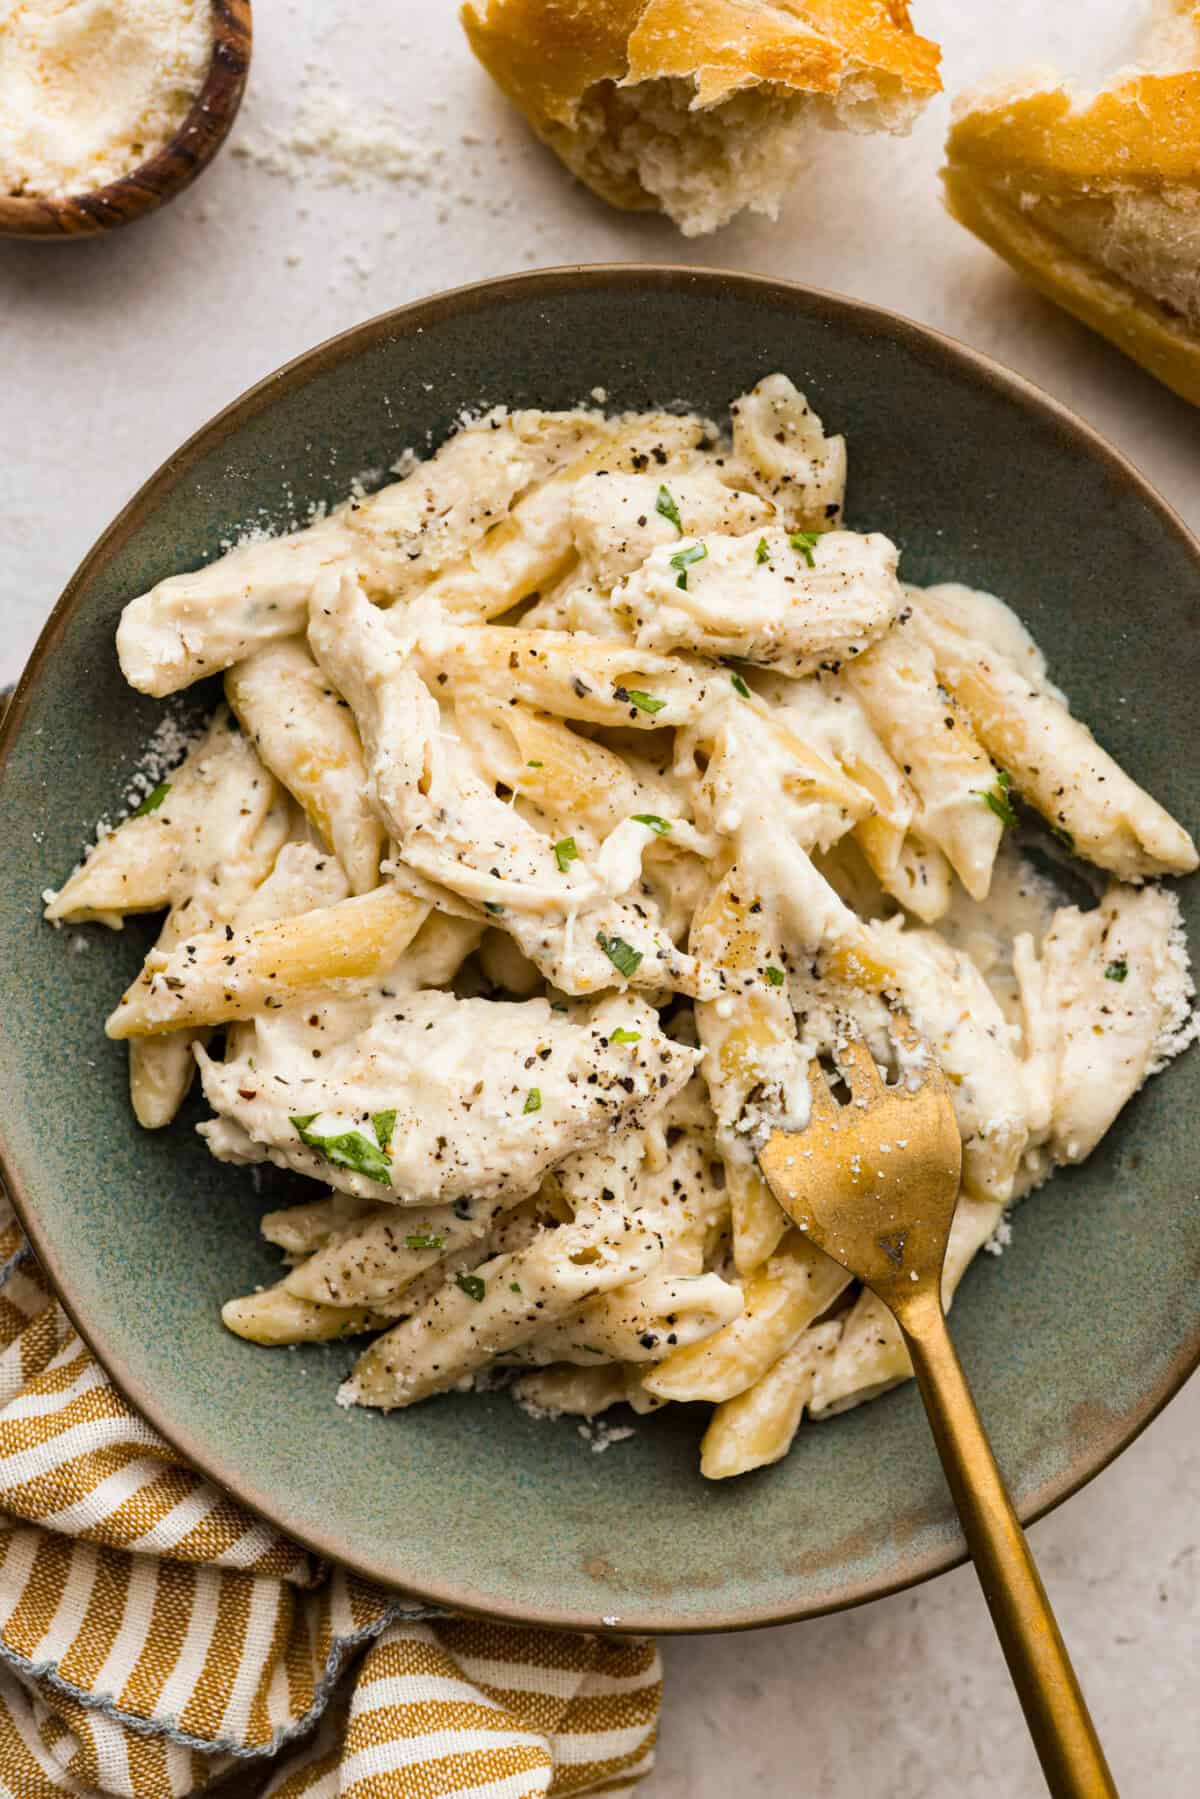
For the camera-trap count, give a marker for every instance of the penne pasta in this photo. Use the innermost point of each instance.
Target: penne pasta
(1052, 759)
(304, 733)
(915, 873)
(570, 1392)
(197, 624)
(301, 1230)
(392, 1115)
(567, 916)
(780, 445)
(276, 1316)
(499, 1306)
(757, 1427)
(161, 1067)
(601, 683)
(534, 546)
(1105, 1003)
(794, 601)
(376, 1256)
(221, 975)
(751, 1046)
(227, 833)
(748, 752)
(779, 1302)
(593, 780)
(951, 1005)
(189, 829)
(568, 778)
(640, 1322)
(922, 726)
(617, 520)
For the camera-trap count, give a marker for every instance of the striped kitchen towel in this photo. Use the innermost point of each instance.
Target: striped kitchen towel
(156, 1639)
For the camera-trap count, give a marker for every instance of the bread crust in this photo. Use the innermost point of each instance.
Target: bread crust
(1133, 321)
(1009, 150)
(1145, 129)
(552, 56)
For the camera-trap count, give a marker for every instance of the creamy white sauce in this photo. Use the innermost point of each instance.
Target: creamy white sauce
(692, 789)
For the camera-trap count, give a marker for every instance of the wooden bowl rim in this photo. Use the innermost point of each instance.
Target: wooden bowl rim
(57, 218)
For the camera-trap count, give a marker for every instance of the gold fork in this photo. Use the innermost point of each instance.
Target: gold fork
(874, 1184)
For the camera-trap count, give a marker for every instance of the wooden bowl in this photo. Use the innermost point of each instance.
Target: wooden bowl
(174, 167)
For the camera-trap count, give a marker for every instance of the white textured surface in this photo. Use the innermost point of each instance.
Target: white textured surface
(111, 352)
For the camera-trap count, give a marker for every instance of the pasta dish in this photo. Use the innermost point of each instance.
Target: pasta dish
(569, 794)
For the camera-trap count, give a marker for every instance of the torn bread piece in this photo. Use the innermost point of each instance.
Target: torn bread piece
(1096, 199)
(700, 108)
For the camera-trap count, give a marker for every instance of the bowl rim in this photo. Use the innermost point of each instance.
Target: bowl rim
(416, 317)
(59, 218)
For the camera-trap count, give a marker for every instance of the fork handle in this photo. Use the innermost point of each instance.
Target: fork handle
(1055, 1709)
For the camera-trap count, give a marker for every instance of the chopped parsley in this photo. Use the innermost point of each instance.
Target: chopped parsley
(621, 1035)
(515, 1287)
(739, 686)
(1117, 971)
(666, 506)
(493, 908)
(533, 1100)
(346, 1149)
(683, 560)
(422, 1240)
(152, 801)
(566, 851)
(471, 1285)
(645, 702)
(652, 822)
(776, 977)
(385, 1124)
(762, 553)
(805, 542)
(997, 798)
(624, 958)
(1064, 837)
(533, 765)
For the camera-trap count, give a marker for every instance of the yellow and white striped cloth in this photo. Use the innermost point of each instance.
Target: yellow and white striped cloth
(156, 1638)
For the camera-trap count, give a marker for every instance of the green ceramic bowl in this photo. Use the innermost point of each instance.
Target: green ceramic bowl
(1073, 1339)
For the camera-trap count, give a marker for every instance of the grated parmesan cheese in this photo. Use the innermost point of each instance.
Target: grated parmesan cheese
(168, 744)
(600, 1435)
(339, 141)
(90, 89)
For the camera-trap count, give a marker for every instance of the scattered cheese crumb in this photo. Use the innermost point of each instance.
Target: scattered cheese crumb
(1000, 1238)
(602, 1436)
(339, 142)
